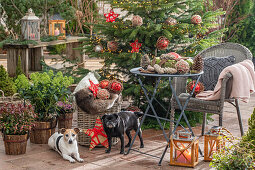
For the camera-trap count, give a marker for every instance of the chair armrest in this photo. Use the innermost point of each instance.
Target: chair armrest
(226, 87)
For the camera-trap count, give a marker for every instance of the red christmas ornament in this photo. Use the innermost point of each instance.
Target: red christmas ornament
(115, 87)
(104, 84)
(97, 134)
(196, 19)
(135, 46)
(103, 94)
(199, 88)
(162, 43)
(112, 45)
(94, 88)
(176, 56)
(111, 16)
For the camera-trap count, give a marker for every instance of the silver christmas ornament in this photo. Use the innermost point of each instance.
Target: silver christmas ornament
(98, 48)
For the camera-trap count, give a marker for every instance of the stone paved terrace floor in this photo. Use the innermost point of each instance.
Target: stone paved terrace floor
(40, 157)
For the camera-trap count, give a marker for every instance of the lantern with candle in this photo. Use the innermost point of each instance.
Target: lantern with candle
(30, 26)
(213, 142)
(184, 149)
(57, 26)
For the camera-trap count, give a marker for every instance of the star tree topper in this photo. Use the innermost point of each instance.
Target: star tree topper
(93, 87)
(97, 134)
(111, 16)
(135, 46)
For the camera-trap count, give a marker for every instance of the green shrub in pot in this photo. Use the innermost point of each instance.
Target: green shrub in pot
(44, 90)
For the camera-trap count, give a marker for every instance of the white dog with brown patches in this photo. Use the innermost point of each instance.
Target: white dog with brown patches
(64, 142)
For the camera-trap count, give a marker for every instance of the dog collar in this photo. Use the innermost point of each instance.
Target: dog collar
(57, 143)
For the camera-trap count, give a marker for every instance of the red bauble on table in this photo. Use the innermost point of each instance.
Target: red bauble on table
(162, 43)
(111, 16)
(175, 55)
(196, 19)
(104, 84)
(115, 87)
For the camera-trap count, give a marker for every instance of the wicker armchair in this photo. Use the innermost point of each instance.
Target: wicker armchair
(216, 107)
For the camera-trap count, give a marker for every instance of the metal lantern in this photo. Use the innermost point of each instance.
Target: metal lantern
(213, 142)
(30, 26)
(57, 26)
(184, 149)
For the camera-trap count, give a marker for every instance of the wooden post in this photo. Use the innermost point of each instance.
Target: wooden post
(73, 53)
(12, 60)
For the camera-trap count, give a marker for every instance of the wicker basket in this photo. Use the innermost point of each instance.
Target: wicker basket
(15, 99)
(87, 121)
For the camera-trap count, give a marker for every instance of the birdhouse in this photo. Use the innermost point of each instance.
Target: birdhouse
(57, 26)
(30, 26)
(184, 149)
(213, 142)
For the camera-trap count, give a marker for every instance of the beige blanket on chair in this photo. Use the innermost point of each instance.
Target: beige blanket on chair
(243, 82)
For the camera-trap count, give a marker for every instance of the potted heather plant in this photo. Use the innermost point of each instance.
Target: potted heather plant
(65, 115)
(43, 91)
(16, 121)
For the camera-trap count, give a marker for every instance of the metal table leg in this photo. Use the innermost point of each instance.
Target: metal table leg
(147, 109)
(182, 108)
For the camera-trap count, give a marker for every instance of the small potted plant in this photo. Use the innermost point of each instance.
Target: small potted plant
(65, 115)
(16, 121)
(43, 91)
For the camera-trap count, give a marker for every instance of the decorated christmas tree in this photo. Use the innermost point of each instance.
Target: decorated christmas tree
(153, 28)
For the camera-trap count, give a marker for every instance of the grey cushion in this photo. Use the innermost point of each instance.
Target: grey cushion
(212, 69)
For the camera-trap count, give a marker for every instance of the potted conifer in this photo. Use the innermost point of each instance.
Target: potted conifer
(43, 91)
(15, 121)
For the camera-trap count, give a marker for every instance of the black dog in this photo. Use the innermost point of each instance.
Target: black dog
(115, 125)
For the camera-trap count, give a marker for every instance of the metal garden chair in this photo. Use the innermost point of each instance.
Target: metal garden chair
(216, 107)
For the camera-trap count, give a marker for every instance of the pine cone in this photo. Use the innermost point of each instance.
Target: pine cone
(145, 61)
(198, 64)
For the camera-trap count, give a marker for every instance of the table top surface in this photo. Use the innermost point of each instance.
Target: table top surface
(69, 39)
(137, 72)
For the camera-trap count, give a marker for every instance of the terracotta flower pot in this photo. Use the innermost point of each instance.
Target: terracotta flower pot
(42, 131)
(65, 121)
(15, 144)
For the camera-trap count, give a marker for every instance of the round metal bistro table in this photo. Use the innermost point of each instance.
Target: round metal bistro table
(151, 97)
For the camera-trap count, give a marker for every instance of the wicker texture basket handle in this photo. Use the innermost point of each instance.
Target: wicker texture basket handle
(2, 93)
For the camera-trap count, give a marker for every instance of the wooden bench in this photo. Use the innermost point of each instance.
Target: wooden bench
(31, 55)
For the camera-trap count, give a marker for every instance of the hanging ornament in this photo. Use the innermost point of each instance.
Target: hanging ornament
(170, 21)
(182, 66)
(199, 88)
(137, 20)
(196, 19)
(97, 134)
(103, 94)
(111, 16)
(115, 87)
(104, 84)
(112, 45)
(98, 48)
(94, 88)
(162, 43)
(135, 46)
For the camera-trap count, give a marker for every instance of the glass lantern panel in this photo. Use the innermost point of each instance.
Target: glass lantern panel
(57, 29)
(34, 34)
(182, 156)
